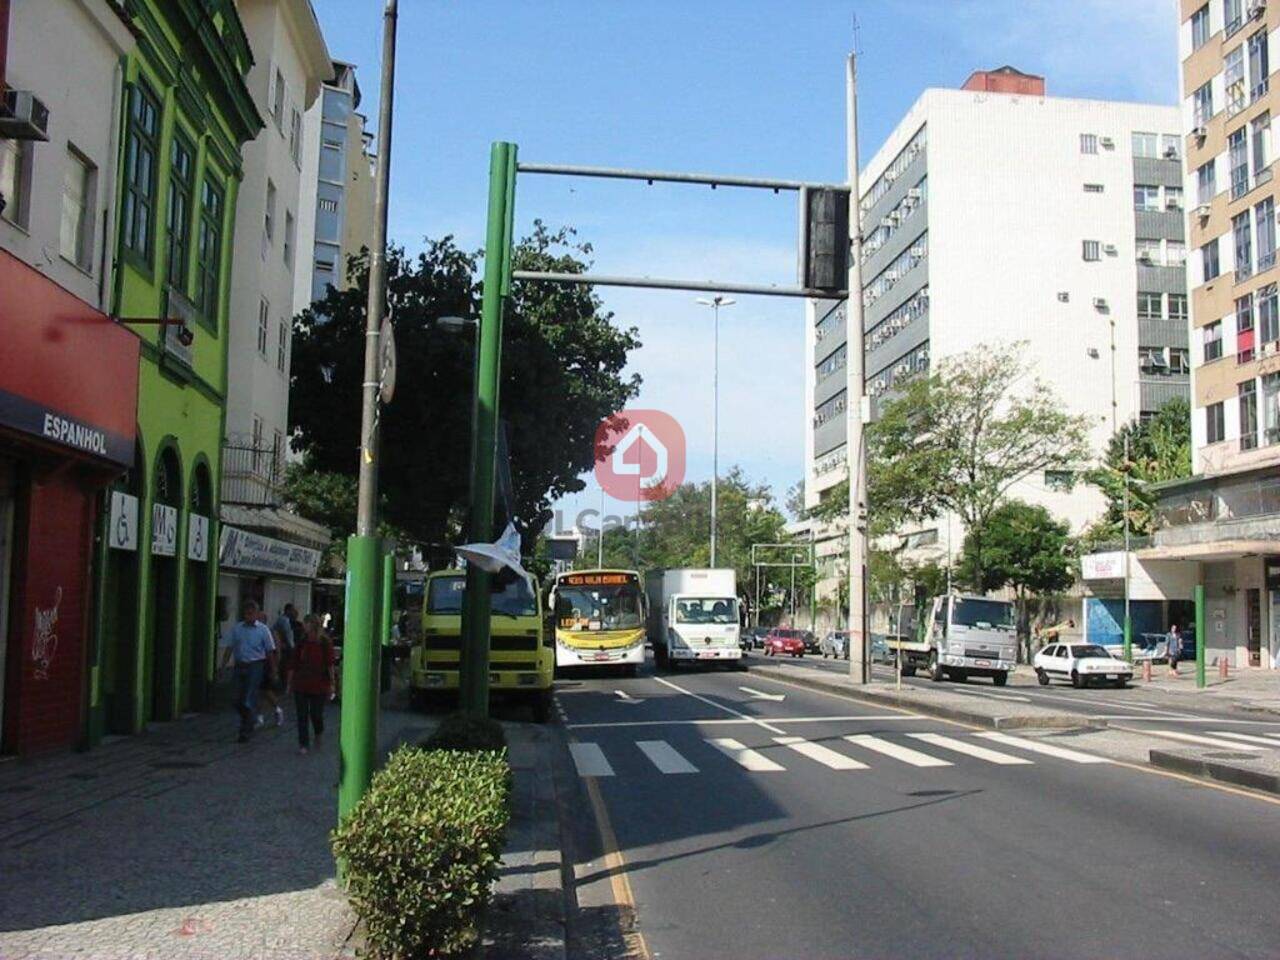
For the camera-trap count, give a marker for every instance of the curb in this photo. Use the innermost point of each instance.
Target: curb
(1043, 722)
(1209, 769)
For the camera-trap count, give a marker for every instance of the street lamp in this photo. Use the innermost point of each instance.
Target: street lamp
(715, 303)
(456, 324)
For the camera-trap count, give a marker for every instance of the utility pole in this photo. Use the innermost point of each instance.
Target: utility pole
(1128, 621)
(359, 730)
(715, 303)
(600, 534)
(854, 391)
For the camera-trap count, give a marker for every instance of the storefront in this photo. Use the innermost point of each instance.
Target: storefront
(68, 422)
(269, 571)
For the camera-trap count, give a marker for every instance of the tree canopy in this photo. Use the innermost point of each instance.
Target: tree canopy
(1024, 548)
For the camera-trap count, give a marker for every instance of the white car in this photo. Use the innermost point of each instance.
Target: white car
(1082, 664)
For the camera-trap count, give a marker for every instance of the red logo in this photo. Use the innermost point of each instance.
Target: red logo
(639, 455)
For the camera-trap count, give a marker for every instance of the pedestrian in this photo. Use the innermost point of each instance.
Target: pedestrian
(1173, 648)
(311, 680)
(249, 647)
(273, 679)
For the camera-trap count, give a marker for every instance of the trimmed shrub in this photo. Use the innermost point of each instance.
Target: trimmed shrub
(422, 847)
(459, 732)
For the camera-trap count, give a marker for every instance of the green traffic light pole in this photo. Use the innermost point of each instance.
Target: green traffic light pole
(1200, 638)
(360, 650)
(473, 679)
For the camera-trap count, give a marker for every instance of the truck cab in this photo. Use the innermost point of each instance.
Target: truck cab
(961, 636)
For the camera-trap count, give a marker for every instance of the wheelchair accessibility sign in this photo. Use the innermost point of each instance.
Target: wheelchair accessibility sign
(123, 527)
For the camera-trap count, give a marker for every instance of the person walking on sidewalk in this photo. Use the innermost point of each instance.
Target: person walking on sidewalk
(1174, 649)
(311, 679)
(248, 645)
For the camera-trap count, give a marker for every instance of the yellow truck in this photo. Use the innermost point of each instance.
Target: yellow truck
(521, 655)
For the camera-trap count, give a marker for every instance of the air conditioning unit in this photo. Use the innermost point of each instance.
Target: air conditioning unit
(1199, 131)
(1107, 143)
(23, 116)
(1257, 8)
(913, 193)
(1100, 303)
(917, 252)
(1202, 211)
(1171, 153)
(1109, 249)
(1268, 348)
(886, 223)
(1064, 297)
(1144, 257)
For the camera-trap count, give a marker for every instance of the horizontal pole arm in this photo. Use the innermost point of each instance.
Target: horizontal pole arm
(655, 176)
(709, 286)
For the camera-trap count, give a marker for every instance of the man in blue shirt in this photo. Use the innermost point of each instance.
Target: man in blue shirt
(250, 646)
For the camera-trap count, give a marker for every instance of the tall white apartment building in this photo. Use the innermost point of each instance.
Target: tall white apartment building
(994, 214)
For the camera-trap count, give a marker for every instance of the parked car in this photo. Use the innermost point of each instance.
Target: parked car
(835, 644)
(881, 652)
(1081, 664)
(755, 636)
(782, 641)
(810, 641)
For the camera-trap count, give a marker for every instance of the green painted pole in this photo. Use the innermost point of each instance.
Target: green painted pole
(1128, 637)
(359, 731)
(388, 595)
(473, 679)
(1199, 634)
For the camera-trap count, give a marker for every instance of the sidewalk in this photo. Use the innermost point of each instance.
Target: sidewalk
(178, 844)
(1253, 689)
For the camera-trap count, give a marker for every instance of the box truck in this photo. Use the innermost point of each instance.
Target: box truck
(693, 616)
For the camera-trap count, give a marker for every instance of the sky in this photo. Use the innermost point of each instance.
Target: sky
(749, 87)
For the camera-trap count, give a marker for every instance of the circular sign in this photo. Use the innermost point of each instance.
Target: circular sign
(386, 362)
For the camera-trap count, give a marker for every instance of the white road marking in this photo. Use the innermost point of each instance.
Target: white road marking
(625, 697)
(753, 760)
(719, 706)
(665, 757)
(1048, 749)
(989, 694)
(824, 755)
(731, 721)
(1268, 741)
(1184, 719)
(897, 751)
(777, 697)
(970, 749)
(590, 760)
(1196, 738)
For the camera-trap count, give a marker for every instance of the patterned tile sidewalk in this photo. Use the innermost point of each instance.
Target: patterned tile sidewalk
(178, 844)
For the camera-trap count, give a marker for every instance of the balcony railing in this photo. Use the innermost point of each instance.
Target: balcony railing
(252, 475)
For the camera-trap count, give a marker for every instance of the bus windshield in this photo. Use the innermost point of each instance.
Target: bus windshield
(598, 607)
(707, 610)
(510, 594)
(976, 612)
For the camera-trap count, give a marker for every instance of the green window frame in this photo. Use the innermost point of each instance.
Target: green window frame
(182, 170)
(142, 149)
(209, 248)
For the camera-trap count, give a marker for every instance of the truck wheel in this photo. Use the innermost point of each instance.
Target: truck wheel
(908, 669)
(1042, 677)
(1000, 679)
(936, 672)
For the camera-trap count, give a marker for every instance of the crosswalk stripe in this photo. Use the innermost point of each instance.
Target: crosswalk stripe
(1248, 738)
(897, 751)
(590, 760)
(1048, 749)
(1196, 738)
(824, 755)
(970, 749)
(753, 760)
(665, 757)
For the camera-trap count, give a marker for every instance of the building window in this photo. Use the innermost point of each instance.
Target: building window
(1232, 16)
(1150, 306)
(1175, 253)
(1146, 197)
(1093, 188)
(1200, 27)
(328, 205)
(1209, 258)
(269, 219)
(1088, 143)
(1172, 146)
(1179, 360)
(140, 151)
(290, 229)
(1151, 360)
(282, 345)
(75, 238)
(1271, 408)
(1268, 314)
(295, 135)
(1238, 158)
(1146, 145)
(277, 102)
(1206, 187)
(257, 442)
(1173, 198)
(182, 170)
(15, 180)
(1060, 479)
(1215, 423)
(1202, 105)
(1242, 234)
(1244, 328)
(331, 144)
(1265, 220)
(1248, 400)
(209, 249)
(1177, 306)
(1092, 250)
(1213, 341)
(1148, 251)
(278, 451)
(1233, 80)
(1259, 65)
(264, 313)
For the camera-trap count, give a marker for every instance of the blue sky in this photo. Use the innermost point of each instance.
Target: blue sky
(753, 87)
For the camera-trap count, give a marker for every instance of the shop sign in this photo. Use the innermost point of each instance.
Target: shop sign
(197, 537)
(164, 530)
(123, 524)
(242, 550)
(1102, 566)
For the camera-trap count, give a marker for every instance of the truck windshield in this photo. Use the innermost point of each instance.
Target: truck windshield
(511, 595)
(598, 608)
(975, 612)
(707, 610)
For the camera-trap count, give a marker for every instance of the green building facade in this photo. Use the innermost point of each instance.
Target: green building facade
(186, 113)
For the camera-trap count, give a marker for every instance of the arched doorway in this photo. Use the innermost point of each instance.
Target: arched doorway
(197, 622)
(120, 599)
(162, 613)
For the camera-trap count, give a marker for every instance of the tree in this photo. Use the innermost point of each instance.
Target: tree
(563, 361)
(1159, 450)
(957, 441)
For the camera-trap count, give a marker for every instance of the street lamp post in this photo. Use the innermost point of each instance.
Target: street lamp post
(715, 303)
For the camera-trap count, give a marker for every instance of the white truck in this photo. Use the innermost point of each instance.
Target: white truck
(693, 616)
(960, 636)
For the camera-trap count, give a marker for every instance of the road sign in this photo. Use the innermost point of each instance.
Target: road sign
(123, 526)
(197, 537)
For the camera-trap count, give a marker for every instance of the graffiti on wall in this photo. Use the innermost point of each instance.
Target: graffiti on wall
(45, 642)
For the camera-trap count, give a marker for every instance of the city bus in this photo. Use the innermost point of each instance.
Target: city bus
(599, 619)
(521, 661)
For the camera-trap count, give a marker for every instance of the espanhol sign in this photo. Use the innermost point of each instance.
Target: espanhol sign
(242, 550)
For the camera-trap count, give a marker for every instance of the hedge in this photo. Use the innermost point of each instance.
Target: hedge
(421, 850)
(459, 732)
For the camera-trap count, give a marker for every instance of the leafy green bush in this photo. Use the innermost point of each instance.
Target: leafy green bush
(421, 849)
(459, 732)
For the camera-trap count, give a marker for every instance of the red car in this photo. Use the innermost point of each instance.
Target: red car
(783, 641)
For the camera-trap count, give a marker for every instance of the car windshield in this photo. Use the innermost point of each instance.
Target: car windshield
(707, 610)
(511, 595)
(976, 612)
(1088, 650)
(598, 608)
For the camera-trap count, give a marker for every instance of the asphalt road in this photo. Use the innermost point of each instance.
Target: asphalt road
(918, 838)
